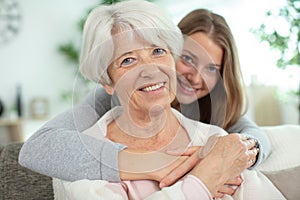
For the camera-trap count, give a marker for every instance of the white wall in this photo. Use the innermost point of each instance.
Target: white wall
(31, 58)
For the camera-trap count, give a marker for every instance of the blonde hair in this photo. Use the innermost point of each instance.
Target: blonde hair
(146, 19)
(216, 28)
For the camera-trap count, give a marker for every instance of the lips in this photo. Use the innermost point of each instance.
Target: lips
(153, 87)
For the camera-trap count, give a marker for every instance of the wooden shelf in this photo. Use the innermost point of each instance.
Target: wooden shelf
(14, 127)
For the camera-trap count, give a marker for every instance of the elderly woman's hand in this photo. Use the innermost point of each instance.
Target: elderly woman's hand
(228, 188)
(252, 147)
(224, 157)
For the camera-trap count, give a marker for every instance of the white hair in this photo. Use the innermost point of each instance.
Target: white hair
(150, 22)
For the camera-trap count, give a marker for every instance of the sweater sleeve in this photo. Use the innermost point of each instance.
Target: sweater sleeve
(58, 149)
(249, 128)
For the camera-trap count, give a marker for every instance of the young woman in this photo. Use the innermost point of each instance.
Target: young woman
(57, 148)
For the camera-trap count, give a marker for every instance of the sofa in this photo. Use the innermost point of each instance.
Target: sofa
(282, 167)
(19, 183)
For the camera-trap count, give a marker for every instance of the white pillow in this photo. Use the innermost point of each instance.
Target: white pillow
(285, 144)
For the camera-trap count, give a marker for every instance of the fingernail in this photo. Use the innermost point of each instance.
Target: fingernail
(161, 185)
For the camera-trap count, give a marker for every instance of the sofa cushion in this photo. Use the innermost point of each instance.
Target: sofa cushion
(17, 182)
(1, 147)
(285, 140)
(282, 166)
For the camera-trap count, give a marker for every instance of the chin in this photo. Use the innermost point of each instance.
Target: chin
(186, 99)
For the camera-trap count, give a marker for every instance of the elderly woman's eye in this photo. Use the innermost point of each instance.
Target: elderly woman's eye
(127, 61)
(159, 51)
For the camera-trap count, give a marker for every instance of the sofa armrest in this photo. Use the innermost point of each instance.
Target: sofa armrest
(17, 182)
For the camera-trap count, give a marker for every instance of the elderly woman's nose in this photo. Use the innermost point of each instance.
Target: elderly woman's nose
(149, 71)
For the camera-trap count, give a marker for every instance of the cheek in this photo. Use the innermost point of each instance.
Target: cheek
(180, 68)
(210, 82)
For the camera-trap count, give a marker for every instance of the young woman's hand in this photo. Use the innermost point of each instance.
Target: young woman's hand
(178, 172)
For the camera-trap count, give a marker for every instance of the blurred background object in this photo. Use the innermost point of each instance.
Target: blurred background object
(1, 107)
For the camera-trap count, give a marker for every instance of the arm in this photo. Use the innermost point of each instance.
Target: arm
(58, 148)
(249, 128)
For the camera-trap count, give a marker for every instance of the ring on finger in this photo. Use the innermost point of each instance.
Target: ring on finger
(248, 143)
(244, 137)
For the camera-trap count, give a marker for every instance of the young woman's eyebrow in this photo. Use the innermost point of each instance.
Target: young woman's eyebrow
(216, 65)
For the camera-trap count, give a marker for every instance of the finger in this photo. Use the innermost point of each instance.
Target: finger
(219, 195)
(252, 155)
(243, 137)
(237, 181)
(227, 189)
(180, 171)
(250, 162)
(250, 143)
(183, 151)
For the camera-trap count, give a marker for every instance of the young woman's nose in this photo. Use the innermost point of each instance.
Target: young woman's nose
(194, 77)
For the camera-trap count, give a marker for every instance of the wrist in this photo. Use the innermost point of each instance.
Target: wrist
(213, 179)
(134, 165)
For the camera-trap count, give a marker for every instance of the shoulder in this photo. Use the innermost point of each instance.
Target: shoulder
(198, 132)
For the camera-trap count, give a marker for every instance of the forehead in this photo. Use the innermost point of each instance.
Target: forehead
(196, 50)
(128, 41)
(132, 40)
(204, 47)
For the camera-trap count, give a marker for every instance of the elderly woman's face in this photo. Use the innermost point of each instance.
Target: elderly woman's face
(143, 74)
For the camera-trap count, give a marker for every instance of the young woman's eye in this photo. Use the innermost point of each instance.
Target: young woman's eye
(212, 68)
(159, 51)
(127, 61)
(188, 60)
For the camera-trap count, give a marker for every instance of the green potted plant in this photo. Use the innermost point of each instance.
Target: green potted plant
(287, 43)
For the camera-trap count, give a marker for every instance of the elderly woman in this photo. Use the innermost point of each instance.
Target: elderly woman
(129, 48)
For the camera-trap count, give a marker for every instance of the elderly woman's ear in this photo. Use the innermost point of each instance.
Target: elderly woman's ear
(109, 89)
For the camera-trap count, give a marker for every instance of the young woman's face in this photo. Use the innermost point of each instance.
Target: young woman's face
(198, 69)
(143, 74)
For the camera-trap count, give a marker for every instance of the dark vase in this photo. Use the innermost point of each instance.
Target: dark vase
(1, 108)
(19, 101)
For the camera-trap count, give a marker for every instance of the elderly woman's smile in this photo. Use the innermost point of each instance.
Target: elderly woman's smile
(152, 88)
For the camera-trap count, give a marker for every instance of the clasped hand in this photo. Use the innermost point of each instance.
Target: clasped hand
(218, 164)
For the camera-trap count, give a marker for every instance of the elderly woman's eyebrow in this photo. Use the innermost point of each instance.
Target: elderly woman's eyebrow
(124, 54)
(149, 46)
